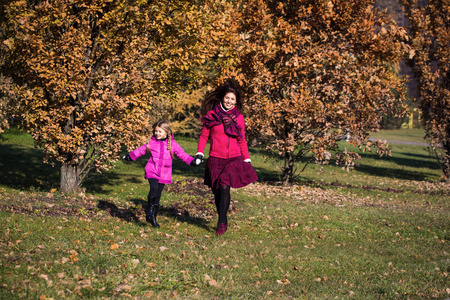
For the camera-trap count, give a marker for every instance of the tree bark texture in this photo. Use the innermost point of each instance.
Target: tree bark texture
(69, 178)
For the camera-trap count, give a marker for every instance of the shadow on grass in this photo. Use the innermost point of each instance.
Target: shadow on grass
(185, 218)
(120, 213)
(416, 161)
(172, 212)
(413, 160)
(23, 168)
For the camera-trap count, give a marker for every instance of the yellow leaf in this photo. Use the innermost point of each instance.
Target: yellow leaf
(213, 283)
(114, 246)
(73, 258)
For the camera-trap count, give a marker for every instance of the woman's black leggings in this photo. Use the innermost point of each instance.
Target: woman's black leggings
(222, 199)
(156, 189)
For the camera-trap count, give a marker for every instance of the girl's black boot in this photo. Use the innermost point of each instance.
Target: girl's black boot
(149, 212)
(155, 213)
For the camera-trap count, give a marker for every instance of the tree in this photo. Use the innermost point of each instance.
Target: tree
(95, 75)
(185, 113)
(313, 72)
(429, 29)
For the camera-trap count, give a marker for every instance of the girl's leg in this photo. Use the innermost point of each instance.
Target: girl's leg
(154, 196)
(153, 193)
(156, 203)
(159, 192)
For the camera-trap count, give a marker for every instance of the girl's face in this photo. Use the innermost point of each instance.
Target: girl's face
(160, 133)
(229, 101)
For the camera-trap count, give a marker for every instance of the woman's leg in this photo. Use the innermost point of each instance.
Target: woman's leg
(223, 205)
(216, 193)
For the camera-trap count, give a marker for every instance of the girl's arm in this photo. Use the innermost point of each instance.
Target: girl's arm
(180, 153)
(142, 150)
(204, 136)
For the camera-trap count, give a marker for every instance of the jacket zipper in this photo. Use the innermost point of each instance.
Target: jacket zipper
(228, 146)
(161, 157)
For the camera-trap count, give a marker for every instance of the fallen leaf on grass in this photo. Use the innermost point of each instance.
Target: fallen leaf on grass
(122, 287)
(213, 283)
(43, 276)
(114, 246)
(73, 256)
(285, 281)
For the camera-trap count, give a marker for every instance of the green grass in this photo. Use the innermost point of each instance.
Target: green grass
(380, 231)
(406, 135)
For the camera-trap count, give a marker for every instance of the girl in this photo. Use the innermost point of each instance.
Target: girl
(228, 164)
(158, 170)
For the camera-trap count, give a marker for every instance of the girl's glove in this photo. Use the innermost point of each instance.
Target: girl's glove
(197, 161)
(127, 157)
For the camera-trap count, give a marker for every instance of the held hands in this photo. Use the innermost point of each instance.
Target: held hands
(197, 161)
(127, 157)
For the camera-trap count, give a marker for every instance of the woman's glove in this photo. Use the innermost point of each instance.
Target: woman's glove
(127, 157)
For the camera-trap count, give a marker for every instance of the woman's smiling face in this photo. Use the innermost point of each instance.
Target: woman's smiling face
(229, 101)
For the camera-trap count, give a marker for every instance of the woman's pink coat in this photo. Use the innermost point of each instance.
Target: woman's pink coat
(159, 165)
(221, 145)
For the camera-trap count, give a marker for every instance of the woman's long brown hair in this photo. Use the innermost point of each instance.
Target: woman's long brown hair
(215, 97)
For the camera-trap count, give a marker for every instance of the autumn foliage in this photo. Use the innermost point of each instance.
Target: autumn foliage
(429, 29)
(95, 75)
(315, 71)
(89, 78)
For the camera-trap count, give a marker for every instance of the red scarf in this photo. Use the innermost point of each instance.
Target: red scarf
(228, 118)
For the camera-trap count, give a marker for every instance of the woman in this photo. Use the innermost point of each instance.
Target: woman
(228, 164)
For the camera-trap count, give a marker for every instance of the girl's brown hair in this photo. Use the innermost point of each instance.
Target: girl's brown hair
(164, 125)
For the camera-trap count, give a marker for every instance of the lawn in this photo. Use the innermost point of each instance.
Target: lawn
(380, 231)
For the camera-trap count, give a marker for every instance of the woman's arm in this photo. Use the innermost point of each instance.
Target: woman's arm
(204, 136)
(242, 141)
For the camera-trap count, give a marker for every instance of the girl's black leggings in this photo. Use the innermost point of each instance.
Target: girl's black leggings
(156, 189)
(222, 199)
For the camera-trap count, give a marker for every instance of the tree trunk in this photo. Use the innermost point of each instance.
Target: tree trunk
(446, 161)
(288, 171)
(69, 178)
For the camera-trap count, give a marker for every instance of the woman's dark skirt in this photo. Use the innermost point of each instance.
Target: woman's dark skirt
(233, 172)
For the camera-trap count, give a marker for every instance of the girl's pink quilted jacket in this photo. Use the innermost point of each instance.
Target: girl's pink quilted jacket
(159, 165)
